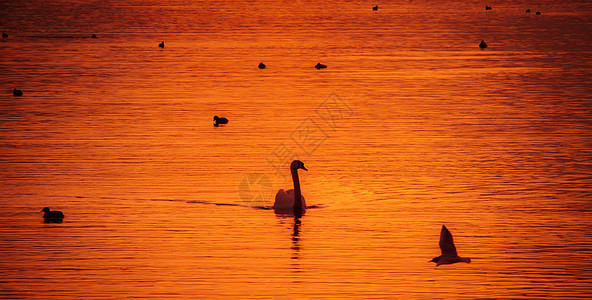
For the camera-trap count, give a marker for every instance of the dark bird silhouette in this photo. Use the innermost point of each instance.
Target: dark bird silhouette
(449, 255)
(528, 10)
(4, 34)
(17, 93)
(320, 66)
(161, 45)
(291, 201)
(487, 7)
(219, 121)
(94, 36)
(262, 66)
(375, 7)
(538, 13)
(54, 216)
(482, 45)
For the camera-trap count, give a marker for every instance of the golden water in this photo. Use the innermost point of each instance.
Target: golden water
(410, 127)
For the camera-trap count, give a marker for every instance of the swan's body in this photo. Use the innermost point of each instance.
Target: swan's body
(291, 201)
(320, 66)
(262, 65)
(482, 45)
(449, 255)
(218, 121)
(17, 93)
(161, 45)
(284, 200)
(54, 216)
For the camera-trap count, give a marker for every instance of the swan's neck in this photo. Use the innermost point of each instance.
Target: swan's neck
(297, 194)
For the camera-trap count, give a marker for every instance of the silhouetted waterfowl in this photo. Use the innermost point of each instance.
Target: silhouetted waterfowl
(94, 36)
(375, 7)
(17, 93)
(449, 255)
(4, 34)
(320, 66)
(487, 7)
(161, 45)
(218, 121)
(291, 201)
(262, 65)
(538, 13)
(54, 216)
(528, 11)
(482, 45)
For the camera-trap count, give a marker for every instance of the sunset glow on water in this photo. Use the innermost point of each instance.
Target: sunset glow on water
(410, 127)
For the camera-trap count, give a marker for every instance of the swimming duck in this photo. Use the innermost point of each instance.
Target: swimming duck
(17, 93)
(262, 65)
(320, 66)
(54, 216)
(482, 45)
(218, 121)
(161, 45)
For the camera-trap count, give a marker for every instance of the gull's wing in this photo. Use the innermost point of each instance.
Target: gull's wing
(446, 243)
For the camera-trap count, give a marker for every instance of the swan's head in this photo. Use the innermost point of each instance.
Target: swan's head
(45, 209)
(298, 165)
(216, 118)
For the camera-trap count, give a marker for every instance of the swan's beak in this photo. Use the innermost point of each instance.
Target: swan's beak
(304, 168)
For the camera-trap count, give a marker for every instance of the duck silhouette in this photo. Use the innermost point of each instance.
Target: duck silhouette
(52, 216)
(262, 65)
(320, 66)
(482, 45)
(449, 254)
(375, 7)
(219, 121)
(4, 34)
(17, 93)
(161, 45)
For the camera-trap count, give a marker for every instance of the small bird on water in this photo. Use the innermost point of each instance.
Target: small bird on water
(161, 45)
(262, 65)
(17, 93)
(52, 216)
(449, 255)
(320, 66)
(482, 45)
(219, 121)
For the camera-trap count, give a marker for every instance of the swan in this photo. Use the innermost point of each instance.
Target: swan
(54, 216)
(161, 45)
(320, 66)
(262, 65)
(487, 7)
(284, 200)
(482, 45)
(449, 255)
(218, 121)
(375, 7)
(17, 93)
